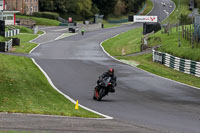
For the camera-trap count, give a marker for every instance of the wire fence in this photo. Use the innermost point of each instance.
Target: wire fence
(190, 32)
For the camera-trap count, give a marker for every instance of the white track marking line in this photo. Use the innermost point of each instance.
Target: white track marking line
(60, 36)
(54, 116)
(35, 42)
(172, 11)
(139, 68)
(142, 69)
(66, 96)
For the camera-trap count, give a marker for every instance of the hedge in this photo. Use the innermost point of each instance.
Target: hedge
(50, 15)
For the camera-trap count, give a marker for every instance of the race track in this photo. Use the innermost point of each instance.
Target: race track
(142, 99)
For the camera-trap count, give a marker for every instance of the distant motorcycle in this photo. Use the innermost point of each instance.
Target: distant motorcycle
(102, 89)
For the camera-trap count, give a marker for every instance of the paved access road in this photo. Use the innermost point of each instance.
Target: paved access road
(141, 99)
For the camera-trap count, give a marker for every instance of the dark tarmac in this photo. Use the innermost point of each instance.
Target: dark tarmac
(143, 103)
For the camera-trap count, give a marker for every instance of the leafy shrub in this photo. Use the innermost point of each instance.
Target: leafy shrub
(50, 15)
(185, 20)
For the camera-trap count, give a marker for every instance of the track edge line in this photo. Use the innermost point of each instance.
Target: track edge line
(106, 117)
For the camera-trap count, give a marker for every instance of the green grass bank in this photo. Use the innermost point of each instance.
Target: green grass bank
(125, 43)
(25, 45)
(129, 42)
(41, 21)
(24, 89)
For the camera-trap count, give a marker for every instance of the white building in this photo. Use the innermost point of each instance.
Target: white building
(8, 16)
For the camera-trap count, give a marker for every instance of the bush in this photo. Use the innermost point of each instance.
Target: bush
(185, 20)
(50, 15)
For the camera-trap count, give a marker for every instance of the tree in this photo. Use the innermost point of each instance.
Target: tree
(120, 7)
(83, 7)
(133, 5)
(46, 5)
(87, 8)
(106, 7)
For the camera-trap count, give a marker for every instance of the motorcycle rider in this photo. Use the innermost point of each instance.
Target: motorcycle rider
(109, 73)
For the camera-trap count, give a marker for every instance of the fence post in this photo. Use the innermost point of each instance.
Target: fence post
(190, 34)
(153, 55)
(185, 33)
(182, 31)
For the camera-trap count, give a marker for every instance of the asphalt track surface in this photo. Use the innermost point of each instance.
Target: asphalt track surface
(141, 99)
(74, 63)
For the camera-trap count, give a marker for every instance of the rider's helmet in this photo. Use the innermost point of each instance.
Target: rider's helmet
(111, 71)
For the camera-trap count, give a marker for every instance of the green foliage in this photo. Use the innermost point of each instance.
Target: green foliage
(125, 43)
(2, 39)
(106, 7)
(170, 45)
(25, 45)
(41, 21)
(184, 19)
(84, 8)
(24, 29)
(47, 5)
(24, 89)
(50, 15)
(87, 8)
(134, 5)
(198, 4)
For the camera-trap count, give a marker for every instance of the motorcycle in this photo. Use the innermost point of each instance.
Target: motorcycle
(102, 89)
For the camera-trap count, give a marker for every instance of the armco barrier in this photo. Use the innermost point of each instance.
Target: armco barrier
(12, 33)
(5, 46)
(182, 65)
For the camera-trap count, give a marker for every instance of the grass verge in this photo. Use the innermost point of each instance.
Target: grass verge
(24, 29)
(111, 25)
(41, 21)
(129, 42)
(24, 89)
(125, 43)
(25, 45)
(146, 63)
(170, 45)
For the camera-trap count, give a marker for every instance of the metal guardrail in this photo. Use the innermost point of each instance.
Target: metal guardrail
(179, 64)
(12, 33)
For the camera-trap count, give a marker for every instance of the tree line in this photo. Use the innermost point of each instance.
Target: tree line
(88, 8)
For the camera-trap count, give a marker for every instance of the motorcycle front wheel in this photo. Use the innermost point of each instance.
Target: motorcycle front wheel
(102, 93)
